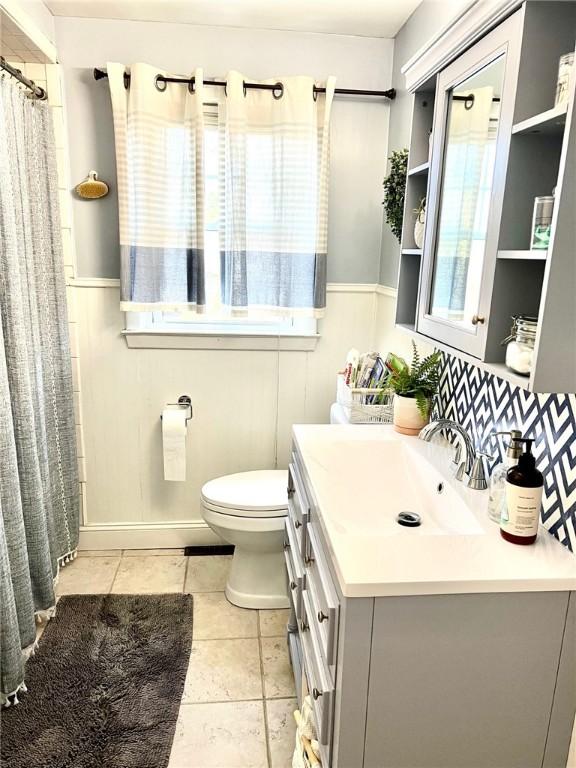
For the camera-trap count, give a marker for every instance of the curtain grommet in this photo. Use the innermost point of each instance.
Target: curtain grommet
(192, 85)
(469, 102)
(314, 93)
(244, 88)
(158, 81)
(126, 80)
(278, 87)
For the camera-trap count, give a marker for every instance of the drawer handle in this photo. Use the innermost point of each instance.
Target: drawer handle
(303, 625)
(316, 694)
(286, 545)
(309, 559)
(297, 524)
(290, 492)
(322, 617)
(293, 585)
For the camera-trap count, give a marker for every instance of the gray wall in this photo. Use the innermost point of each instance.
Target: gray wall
(425, 22)
(359, 127)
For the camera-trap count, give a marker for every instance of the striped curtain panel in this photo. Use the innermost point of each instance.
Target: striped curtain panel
(159, 136)
(274, 196)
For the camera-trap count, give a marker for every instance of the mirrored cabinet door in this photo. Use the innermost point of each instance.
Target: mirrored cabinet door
(474, 109)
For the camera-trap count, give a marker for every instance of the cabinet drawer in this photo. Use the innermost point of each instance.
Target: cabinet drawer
(323, 597)
(294, 567)
(298, 507)
(318, 676)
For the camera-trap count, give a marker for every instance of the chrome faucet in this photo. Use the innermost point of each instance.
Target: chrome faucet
(472, 467)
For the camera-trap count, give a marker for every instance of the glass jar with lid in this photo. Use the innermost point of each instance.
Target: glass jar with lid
(520, 344)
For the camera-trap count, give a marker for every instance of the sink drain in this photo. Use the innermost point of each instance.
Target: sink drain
(409, 519)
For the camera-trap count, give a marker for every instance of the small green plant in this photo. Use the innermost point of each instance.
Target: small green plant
(418, 380)
(394, 190)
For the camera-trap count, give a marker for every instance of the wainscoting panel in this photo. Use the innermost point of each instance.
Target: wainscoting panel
(245, 403)
(484, 403)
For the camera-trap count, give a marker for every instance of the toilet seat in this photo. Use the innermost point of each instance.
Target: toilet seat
(261, 493)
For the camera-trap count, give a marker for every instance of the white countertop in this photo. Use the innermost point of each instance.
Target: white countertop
(363, 475)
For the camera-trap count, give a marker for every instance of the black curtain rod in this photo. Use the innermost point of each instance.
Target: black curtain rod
(38, 92)
(470, 98)
(276, 87)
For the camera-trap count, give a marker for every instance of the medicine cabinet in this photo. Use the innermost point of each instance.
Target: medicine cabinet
(486, 140)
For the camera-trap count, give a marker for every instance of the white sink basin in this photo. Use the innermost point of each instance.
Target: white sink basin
(361, 477)
(407, 483)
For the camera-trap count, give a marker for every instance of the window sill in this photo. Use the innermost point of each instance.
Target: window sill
(220, 340)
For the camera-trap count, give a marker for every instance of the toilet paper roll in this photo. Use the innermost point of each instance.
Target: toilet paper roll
(174, 443)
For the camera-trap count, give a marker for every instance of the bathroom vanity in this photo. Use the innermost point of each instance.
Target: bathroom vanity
(437, 645)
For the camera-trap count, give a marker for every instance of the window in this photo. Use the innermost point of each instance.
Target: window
(216, 320)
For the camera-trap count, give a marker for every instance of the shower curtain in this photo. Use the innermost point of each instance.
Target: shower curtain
(38, 470)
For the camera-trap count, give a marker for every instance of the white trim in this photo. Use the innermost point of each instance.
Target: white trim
(350, 287)
(114, 282)
(387, 290)
(94, 282)
(198, 339)
(147, 535)
(477, 18)
(14, 10)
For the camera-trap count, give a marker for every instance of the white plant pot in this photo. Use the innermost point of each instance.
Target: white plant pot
(419, 226)
(407, 418)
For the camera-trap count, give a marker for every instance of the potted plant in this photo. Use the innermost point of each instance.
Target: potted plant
(420, 223)
(394, 191)
(414, 386)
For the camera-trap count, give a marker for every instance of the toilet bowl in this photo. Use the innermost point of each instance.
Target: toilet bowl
(248, 510)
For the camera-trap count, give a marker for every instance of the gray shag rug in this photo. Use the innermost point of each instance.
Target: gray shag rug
(105, 685)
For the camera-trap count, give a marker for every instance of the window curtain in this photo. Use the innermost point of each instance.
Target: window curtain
(274, 198)
(159, 136)
(38, 467)
(465, 194)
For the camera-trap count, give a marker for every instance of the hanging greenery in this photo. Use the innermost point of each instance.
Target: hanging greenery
(394, 189)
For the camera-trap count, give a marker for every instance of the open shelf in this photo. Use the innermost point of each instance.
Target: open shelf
(550, 122)
(533, 168)
(422, 120)
(419, 170)
(416, 190)
(496, 368)
(524, 255)
(408, 282)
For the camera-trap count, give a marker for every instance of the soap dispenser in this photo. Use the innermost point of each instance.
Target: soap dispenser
(497, 498)
(524, 487)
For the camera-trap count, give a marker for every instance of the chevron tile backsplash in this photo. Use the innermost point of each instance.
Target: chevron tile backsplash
(482, 403)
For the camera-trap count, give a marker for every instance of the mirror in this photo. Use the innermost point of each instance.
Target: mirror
(465, 192)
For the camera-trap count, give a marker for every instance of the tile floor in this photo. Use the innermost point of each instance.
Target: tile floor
(237, 705)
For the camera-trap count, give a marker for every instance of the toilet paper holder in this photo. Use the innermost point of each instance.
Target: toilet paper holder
(184, 401)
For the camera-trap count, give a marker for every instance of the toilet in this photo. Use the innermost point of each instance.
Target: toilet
(247, 510)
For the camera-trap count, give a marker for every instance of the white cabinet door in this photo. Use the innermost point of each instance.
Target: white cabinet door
(472, 128)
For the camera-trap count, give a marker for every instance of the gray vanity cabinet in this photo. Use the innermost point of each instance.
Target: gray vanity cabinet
(427, 681)
(464, 681)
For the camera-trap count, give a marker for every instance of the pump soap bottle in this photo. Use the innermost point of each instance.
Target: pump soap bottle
(524, 486)
(497, 497)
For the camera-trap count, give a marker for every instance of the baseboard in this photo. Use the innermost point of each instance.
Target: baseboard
(147, 536)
